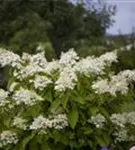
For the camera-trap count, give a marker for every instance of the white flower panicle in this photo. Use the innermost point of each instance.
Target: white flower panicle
(123, 119)
(121, 135)
(3, 98)
(40, 123)
(131, 118)
(57, 122)
(3, 94)
(39, 59)
(117, 83)
(68, 58)
(98, 120)
(35, 64)
(89, 65)
(66, 80)
(119, 119)
(29, 70)
(12, 86)
(95, 65)
(108, 58)
(41, 82)
(26, 57)
(9, 58)
(8, 137)
(128, 74)
(27, 97)
(52, 67)
(19, 122)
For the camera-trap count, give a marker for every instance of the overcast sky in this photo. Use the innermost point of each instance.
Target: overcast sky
(125, 16)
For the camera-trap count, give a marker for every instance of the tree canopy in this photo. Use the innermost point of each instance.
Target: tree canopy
(60, 23)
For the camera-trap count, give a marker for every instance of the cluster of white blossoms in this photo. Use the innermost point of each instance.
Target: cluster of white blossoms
(98, 120)
(67, 79)
(3, 98)
(68, 58)
(120, 122)
(116, 83)
(41, 82)
(119, 119)
(20, 123)
(96, 65)
(42, 124)
(52, 67)
(109, 58)
(12, 86)
(37, 59)
(31, 64)
(9, 58)
(122, 135)
(124, 118)
(26, 96)
(8, 137)
(67, 67)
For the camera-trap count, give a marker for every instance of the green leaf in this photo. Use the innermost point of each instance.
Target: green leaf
(45, 146)
(78, 98)
(94, 110)
(87, 130)
(60, 137)
(73, 117)
(7, 121)
(104, 112)
(55, 105)
(100, 141)
(25, 141)
(65, 100)
(48, 96)
(103, 140)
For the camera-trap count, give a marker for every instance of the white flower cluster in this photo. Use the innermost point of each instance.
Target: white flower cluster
(8, 137)
(68, 58)
(67, 67)
(116, 83)
(20, 123)
(128, 74)
(9, 58)
(120, 122)
(52, 67)
(122, 119)
(109, 57)
(3, 98)
(27, 71)
(12, 86)
(57, 122)
(66, 80)
(35, 64)
(121, 135)
(41, 82)
(26, 96)
(119, 119)
(95, 65)
(98, 120)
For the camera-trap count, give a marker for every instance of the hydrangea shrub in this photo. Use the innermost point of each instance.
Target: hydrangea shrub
(70, 103)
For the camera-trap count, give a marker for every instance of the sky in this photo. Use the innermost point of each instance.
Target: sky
(125, 16)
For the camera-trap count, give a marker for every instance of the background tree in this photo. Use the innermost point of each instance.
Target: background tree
(62, 23)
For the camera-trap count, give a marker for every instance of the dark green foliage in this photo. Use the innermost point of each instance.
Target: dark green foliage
(59, 22)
